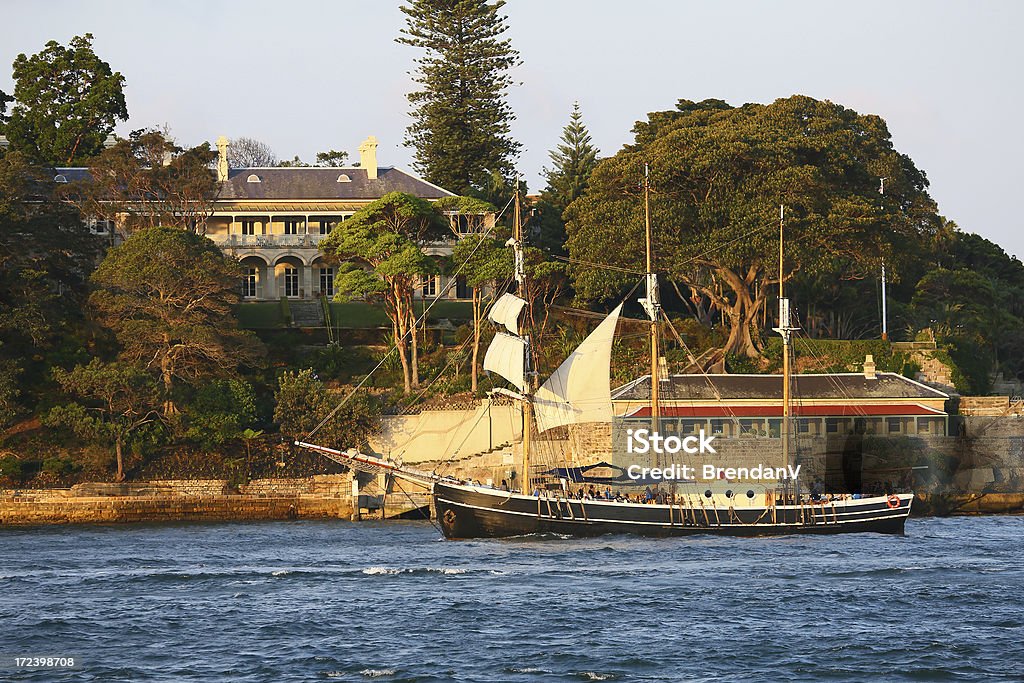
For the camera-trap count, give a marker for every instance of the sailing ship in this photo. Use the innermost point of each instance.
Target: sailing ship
(578, 393)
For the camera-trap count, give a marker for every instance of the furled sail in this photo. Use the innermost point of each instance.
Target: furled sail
(506, 356)
(506, 310)
(580, 389)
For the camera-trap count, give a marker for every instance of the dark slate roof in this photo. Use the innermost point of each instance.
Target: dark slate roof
(72, 174)
(769, 387)
(303, 183)
(322, 183)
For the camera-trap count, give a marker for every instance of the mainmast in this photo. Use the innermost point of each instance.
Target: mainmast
(885, 318)
(652, 306)
(785, 329)
(520, 277)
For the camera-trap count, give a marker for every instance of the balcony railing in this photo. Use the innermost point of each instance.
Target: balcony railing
(258, 241)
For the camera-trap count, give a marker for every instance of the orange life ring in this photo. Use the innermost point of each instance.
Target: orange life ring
(892, 501)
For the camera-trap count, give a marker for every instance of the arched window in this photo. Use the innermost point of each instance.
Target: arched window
(253, 179)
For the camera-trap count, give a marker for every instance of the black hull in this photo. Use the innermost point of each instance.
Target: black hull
(476, 512)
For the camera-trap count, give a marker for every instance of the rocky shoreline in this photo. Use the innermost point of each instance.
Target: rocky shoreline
(322, 496)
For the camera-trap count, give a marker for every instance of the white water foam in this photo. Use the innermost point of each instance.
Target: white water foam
(382, 570)
(416, 570)
(377, 673)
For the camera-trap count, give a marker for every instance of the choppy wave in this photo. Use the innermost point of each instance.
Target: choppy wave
(391, 571)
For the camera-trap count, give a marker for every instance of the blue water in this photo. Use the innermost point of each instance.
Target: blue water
(308, 601)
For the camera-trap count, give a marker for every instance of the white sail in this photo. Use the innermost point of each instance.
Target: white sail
(580, 389)
(506, 310)
(506, 356)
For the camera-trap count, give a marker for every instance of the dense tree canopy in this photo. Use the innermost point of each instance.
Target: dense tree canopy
(168, 295)
(302, 402)
(46, 255)
(111, 403)
(331, 157)
(67, 101)
(720, 173)
(5, 99)
(381, 253)
(461, 116)
(147, 181)
(220, 411)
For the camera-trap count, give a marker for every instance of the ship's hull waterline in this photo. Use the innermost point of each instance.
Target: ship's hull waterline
(478, 512)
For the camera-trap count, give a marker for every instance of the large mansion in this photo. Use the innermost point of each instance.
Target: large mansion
(273, 219)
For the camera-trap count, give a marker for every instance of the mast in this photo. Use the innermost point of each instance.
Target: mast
(653, 308)
(784, 329)
(520, 276)
(885, 319)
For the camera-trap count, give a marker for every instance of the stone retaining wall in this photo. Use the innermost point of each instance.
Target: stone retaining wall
(326, 496)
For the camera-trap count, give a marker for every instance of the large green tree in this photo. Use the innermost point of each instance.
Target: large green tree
(973, 301)
(381, 253)
(719, 174)
(112, 403)
(146, 181)
(169, 297)
(461, 116)
(573, 161)
(67, 101)
(46, 255)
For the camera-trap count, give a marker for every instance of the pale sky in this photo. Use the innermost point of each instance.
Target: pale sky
(306, 76)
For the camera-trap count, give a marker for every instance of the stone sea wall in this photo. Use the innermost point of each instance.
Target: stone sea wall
(324, 496)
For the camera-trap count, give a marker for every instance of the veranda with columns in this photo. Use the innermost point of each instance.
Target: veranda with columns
(273, 220)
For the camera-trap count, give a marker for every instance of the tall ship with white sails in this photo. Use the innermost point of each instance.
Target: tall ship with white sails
(579, 393)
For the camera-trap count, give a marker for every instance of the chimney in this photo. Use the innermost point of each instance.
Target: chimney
(222, 159)
(368, 157)
(869, 367)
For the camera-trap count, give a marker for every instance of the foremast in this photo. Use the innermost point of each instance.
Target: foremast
(785, 329)
(520, 278)
(652, 306)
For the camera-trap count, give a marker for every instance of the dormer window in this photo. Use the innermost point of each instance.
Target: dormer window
(60, 178)
(344, 178)
(253, 179)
